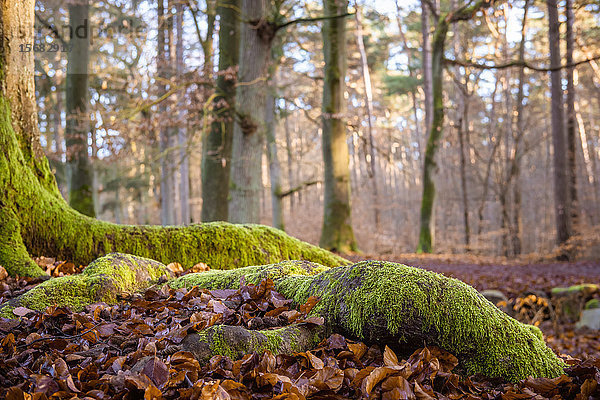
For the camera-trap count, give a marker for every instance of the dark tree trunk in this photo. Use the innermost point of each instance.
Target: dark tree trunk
(561, 184)
(216, 149)
(78, 123)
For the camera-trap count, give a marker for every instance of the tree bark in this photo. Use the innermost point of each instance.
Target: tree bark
(78, 123)
(571, 120)
(336, 233)
(274, 166)
(427, 66)
(216, 148)
(163, 63)
(249, 131)
(561, 184)
(184, 161)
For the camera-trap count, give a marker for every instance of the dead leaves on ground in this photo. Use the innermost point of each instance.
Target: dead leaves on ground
(131, 351)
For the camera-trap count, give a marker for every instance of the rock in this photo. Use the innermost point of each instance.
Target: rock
(589, 319)
(569, 302)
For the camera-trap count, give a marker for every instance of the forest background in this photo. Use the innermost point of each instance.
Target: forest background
(133, 122)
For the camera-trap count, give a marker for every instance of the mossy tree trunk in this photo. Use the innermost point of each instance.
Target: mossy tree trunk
(216, 149)
(376, 302)
(78, 121)
(426, 242)
(336, 233)
(34, 218)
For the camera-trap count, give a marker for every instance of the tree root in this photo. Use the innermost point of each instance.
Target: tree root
(376, 302)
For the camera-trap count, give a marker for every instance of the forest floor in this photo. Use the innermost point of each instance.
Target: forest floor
(131, 350)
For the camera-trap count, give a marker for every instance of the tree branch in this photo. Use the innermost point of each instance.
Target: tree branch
(302, 20)
(297, 188)
(51, 27)
(518, 63)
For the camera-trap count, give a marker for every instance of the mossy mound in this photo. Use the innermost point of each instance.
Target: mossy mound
(103, 280)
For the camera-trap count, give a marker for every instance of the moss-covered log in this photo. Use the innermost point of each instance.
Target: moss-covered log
(236, 341)
(387, 303)
(35, 220)
(377, 302)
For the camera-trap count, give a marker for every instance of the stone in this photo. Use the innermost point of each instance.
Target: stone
(589, 319)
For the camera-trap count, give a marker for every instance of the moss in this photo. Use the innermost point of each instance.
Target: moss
(235, 341)
(593, 303)
(387, 302)
(585, 287)
(219, 279)
(376, 300)
(103, 280)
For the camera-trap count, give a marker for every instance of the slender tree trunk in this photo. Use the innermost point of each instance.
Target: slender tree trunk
(78, 123)
(337, 233)
(366, 76)
(184, 162)
(162, 59)
(520, 128)
(249, 129)
(427, 66)
(288, 149)
(274, 166)
(561, 184)
(571, 120)
(435, 133)
(216, 149)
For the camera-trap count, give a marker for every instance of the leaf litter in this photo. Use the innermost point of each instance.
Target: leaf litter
(131, 351)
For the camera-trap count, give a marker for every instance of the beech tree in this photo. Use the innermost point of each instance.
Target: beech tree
(216, 149)
(436, 130)
(561, 183)
(336, 233)
(78, 125)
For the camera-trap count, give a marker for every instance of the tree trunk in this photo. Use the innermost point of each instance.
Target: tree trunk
(274, 166)
(435, 134)
(336, 233)
(366, 76)
(571, 120)
(184, 161)
(249, 130)
(78, 123)
(520, 128)
(372, 301)
(34, 219)
(288, 149)
(561, 184)
(162, 58)
(427, 66)
(216, 148)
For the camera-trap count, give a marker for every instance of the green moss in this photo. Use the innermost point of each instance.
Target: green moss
(102, 280)
(219, 279)
(593, 303)
(369, 298)
(585, 287)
